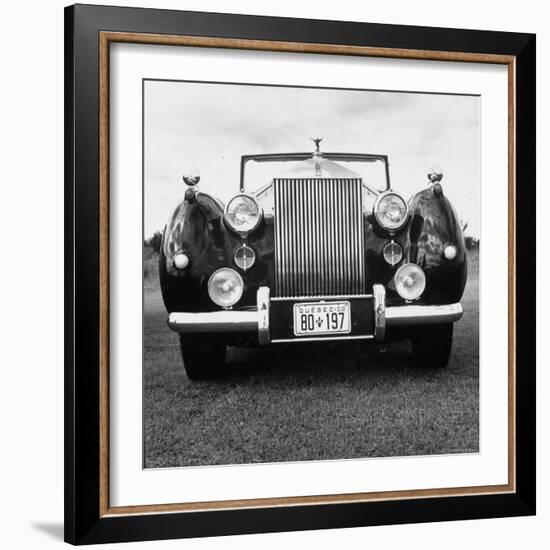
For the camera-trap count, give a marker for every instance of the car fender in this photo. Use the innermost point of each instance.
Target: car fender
(195, 229)
(434, 226)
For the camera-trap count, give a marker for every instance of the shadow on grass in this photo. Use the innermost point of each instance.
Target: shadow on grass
(325, 361)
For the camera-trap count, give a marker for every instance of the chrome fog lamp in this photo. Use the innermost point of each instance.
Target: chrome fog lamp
(410, 281)
(244, 256)
(243, 213)
(225, 287)
(391, 211)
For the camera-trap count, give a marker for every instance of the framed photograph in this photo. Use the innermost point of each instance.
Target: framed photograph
(300, 278)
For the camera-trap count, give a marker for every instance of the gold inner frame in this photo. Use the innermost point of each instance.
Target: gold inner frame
(105, 39)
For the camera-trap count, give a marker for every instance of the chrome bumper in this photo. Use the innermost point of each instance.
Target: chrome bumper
(422, 315)
(402, 316)
(227, 321)
(258, 320)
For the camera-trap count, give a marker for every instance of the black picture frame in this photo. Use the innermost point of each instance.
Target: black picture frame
(84, 522)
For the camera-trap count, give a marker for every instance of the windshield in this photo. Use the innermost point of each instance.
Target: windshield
(258, 175)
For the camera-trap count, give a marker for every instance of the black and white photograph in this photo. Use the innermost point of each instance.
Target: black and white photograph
(277, 276)
(310, 273)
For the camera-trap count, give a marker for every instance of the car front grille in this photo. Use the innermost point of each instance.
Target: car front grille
(319, 248)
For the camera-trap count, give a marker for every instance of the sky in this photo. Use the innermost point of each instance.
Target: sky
(206, 127)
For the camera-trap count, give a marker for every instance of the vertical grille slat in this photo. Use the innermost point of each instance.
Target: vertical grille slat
(319, 247)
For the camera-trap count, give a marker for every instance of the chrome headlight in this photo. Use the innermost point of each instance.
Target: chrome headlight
(410, 281)
(225, 287)
(243, 213)
(391, 211)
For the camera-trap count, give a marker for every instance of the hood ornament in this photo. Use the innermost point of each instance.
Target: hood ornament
(317, 156)
(317, 142)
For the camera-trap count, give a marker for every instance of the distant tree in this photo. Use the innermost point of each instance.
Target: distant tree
(154, 241)
(471, 242)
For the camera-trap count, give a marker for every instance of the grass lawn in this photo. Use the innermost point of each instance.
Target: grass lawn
(314, 401)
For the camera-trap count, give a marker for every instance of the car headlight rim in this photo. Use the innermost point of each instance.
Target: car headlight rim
(242, 229)
(227, 298)
(410, 281)
(378, 216)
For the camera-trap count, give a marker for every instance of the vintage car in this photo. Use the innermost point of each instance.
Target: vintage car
(315, 246)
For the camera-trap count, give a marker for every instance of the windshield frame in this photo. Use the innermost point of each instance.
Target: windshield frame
(292, 157)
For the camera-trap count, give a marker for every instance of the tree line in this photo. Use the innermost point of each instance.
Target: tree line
(154, 242)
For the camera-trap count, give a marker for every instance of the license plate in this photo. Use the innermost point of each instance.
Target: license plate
(322, 318)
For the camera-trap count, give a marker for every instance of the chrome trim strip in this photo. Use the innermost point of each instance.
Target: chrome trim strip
(303, 237)
(322, 339)
(323, 297)
(379, 293)
(346, 241)
(422, 315)
(361, 237)
(332, 241)
(262, 298)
